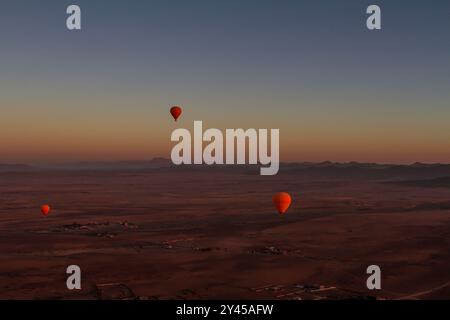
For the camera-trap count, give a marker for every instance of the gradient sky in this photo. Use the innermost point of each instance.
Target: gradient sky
(336, 90)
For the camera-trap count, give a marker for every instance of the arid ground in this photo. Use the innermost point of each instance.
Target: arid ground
(186, 233)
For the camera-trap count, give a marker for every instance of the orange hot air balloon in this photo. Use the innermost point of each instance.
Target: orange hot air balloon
(45, 209)
(282, 201)
(176, 111)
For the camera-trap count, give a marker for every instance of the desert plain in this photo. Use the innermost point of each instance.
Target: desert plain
(163, 232)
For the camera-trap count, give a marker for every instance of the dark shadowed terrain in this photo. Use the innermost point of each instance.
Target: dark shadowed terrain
(151, 231)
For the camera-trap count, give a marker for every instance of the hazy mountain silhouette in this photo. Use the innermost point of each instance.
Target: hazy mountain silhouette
(443, 182)
(15, 167)
(417, 174)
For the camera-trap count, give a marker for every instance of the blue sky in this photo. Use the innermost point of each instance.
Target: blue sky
(336, 90)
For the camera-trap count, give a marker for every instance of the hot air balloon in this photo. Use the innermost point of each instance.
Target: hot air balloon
(282, 201)
(45, 209)
(176, 111)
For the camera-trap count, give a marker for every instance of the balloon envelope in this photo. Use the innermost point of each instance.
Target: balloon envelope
(282, 201)
(176, 111)
(45, 209)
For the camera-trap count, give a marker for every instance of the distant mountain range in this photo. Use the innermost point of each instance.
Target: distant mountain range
(416, 173)
(154, 163)
(443, 182)
(14, 167)
(355, 170)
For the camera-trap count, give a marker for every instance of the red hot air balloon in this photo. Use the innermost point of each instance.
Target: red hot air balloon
(45, 209)
(282, 201)
(176, 111)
